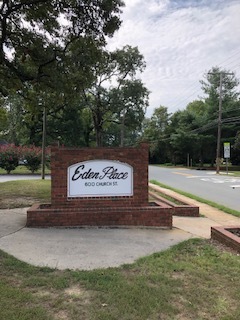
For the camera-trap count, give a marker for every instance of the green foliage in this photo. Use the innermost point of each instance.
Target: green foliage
(188, 136)
(70, 74)
(54, 47)
(38, 34)
(235, 158)
(3, 120)
(33, 157)
(155, 131)
(122, 104)
(9, 157)
(211, 85)
(11, 154)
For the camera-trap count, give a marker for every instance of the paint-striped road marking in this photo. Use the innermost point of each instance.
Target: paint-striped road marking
(184, 174)
(235, 186)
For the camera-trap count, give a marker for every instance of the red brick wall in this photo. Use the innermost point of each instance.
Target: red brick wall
(224, 236)
(62, 158)
(149, 216)
(133, 210)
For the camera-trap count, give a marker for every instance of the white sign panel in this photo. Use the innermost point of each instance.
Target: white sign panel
(226, 150)
(100, 178)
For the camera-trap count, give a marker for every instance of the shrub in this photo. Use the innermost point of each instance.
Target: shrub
(32, 155)
(9, 157)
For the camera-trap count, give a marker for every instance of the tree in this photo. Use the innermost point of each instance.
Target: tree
(36, 35)
(129, 102)
(235, 157)
(123, 103)
(191, 133)
(197, 107)
(155, 131)
(230, 111)
(3, 120)
(47, 53)
(211, 87)
(182, 141)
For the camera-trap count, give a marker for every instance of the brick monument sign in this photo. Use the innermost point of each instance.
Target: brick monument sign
(99, 187)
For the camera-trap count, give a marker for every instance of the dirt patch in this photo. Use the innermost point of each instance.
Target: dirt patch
(61, 315)
(16, 202)
(76, 291)
(80, 294)
(223, 248)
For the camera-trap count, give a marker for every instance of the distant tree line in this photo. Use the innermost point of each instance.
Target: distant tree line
(189, 136)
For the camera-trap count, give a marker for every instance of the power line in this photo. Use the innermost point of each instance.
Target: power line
(194, 85)
(211, 125)
(237, 52)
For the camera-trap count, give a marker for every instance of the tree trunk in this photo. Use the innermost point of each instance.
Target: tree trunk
(122, 129)
(97, 120)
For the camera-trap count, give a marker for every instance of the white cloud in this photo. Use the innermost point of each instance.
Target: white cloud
(180, 41)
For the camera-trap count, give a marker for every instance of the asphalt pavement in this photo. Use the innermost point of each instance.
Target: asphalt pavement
(220, 188)
(14, 177)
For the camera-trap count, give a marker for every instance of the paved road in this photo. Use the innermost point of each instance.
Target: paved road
(13, 177)
(205, 184)
(222, 189)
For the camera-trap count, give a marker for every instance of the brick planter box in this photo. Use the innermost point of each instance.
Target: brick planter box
(152, 215)
(183, 210)
(226, 237)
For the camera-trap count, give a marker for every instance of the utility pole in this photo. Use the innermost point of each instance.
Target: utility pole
(122, 128)
(44, 143)
(218, 158)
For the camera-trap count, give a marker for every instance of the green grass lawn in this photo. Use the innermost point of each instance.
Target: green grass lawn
(235, 173)
(23, 170)
(197, 279)
(193, 280)
(24, 193)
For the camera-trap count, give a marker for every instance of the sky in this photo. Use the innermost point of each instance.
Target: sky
(181, 40)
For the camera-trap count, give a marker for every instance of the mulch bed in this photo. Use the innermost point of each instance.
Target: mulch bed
(236, 232)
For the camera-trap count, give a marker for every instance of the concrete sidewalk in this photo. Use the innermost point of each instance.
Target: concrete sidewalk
(92, 248)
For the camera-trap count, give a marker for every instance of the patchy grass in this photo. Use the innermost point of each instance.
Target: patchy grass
(235, 173)
(23, 193)
(165, 196)
(189, 195)
(193, 280)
